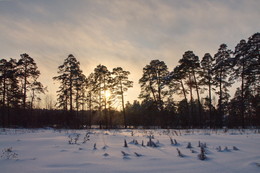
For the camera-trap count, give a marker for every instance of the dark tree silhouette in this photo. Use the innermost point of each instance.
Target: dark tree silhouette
(246, 69)
(153, 83)
(207, 79)
(71, 84)
(28, 74)
(121, 83)
(102, 85)
(177, 77)
(190, 65)
(222, 68)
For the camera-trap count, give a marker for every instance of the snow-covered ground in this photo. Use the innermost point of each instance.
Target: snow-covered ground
(48, 150)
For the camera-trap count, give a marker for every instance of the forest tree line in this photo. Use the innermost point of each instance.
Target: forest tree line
(202, 85)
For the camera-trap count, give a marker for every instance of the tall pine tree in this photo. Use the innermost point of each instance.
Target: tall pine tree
(207, 79)
(153, 83)
(121, 83)
(222, 68)
(71, 82)
(28, 74)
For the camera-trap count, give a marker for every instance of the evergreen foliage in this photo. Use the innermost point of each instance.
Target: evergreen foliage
(94, 100)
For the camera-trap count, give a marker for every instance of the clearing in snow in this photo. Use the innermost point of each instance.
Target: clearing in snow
(129, 151)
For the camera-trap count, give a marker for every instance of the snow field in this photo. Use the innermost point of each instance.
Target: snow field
(48, 150)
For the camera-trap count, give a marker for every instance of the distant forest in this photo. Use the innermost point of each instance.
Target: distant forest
(202, 85)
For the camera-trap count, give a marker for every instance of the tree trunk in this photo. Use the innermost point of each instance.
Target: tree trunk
(183, 90)
(25, 86)
(198, 95)
(71, 94)
(32, 100)
(106, 113)
(159, 90)
(191, 102)
(242, 96)
(210, 104)
(187, 105)
(220, 100)
(123, 103)
(90, 109)
(77, 101)
(151, 87)
(190, 85)
(4, 90)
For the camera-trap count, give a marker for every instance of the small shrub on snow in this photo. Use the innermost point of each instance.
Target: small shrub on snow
(189, 145)
(204, 145)
(151, 136)
(106, 154)
(176, 133)
(135, 142)
(173, 142)
(235, 148)
(125, 145)
(226, 149)
(150, 143)
(8, 153)
(86, 138)
(95, 146)
(124, 153)
(143, 143)
(73, 139)
(70, 140)
(219, 149)
(138, 155)
(132, 133)
(179, 153)
(202, 155)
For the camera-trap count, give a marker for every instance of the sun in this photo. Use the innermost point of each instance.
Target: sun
(106, 94)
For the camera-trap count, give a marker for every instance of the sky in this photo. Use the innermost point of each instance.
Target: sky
(121, 33)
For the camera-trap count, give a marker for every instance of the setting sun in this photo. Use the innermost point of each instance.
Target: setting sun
(106, 94)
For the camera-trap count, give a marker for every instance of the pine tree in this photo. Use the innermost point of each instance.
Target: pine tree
(8, 81)
(80, 88)
(121, 83)
(221, 69)
(91, 96)
(14, 93)
(241, 64)
(190, 65)
(246, 68)
(102, 77)
(28, 74)
(3, 80)
(207, 79)
(177, 77)
(153, 83)
(71, 83)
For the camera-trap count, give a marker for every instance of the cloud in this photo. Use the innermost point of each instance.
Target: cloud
(121, 33)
